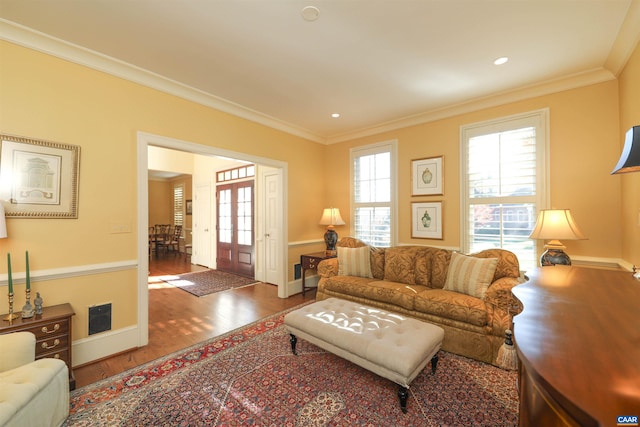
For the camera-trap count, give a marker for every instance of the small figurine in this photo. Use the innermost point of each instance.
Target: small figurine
(27, 310)
(38, 303)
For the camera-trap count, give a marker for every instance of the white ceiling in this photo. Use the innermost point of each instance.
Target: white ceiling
(379, 63)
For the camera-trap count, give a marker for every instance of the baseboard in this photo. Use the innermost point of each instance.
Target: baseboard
(295, 287)
(105, 344)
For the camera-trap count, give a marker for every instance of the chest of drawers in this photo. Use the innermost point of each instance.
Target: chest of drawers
(52, 329)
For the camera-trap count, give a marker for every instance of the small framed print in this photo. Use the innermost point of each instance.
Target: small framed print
(38, 179)
(427, 176)
(426, 220)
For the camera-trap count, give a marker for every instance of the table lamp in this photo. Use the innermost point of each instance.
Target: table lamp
(553, 225)
(331, 217)
(630, 157)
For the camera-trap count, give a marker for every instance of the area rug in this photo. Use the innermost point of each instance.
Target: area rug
(249, 377)
(201, 283)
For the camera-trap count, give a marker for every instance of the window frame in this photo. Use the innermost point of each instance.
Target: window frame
(536, 118)
(174, 206)
(391, 147)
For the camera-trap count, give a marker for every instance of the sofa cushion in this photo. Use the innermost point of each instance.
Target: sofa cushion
(439, 266)
(399, 264)
(469, 275)
(354, 262)
(452, 305)
(395, 293)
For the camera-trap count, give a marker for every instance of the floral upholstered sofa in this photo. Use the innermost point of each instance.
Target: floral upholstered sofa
(468, 296)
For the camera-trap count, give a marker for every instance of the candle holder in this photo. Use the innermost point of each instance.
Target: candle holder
(10, 317)
(27, 309)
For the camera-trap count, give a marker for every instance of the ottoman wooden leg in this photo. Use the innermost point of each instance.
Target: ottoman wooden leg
(434, 363)
(293, 340)
(403, 394)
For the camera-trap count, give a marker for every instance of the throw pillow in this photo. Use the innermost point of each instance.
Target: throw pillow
(354, 262)
(470, 275)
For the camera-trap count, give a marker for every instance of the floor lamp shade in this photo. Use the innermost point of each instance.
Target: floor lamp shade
(553, 225)
(630, 157)
(331, 217)
(3, 223)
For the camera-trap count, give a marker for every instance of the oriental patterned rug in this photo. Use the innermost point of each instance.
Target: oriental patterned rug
(201, 283)
(249, 377)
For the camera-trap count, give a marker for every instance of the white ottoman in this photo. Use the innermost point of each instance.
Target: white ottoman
(388, 344)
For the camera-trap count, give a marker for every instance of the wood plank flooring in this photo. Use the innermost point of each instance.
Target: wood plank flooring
(178, 319)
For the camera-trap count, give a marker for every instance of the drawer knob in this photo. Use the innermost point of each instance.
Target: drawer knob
(46, 330)
(56, 343)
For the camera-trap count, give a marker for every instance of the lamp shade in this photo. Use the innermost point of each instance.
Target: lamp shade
(3, 223)
(630, 157)
(556, 224)
(331, 216)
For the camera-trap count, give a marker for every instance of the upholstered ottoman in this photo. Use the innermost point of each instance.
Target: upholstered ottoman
(388, 344)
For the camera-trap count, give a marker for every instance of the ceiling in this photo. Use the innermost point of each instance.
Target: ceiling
(380, 64)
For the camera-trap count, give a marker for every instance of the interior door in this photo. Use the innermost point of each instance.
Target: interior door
(272, 230)
(202, 238)
(235, 230)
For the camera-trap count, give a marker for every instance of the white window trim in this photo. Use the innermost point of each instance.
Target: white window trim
(541, 120)
(363, 150)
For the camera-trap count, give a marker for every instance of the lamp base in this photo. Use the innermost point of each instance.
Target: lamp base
(554, 256)
(330, 240)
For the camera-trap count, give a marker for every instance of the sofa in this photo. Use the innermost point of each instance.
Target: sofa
(468, 296)
(32, 392)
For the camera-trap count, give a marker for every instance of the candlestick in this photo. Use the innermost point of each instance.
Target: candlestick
(11, 316)
(28, 276)
(9, 271)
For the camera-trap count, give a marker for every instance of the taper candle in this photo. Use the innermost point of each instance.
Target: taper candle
(28, 276)
(9, 271)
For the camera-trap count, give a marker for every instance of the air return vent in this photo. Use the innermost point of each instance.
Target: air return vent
(99, 318)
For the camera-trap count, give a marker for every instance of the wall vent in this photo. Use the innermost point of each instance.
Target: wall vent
(99, 318)
(297, 272)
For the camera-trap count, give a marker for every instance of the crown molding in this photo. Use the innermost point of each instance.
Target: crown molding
(628, 38)
(41, 42)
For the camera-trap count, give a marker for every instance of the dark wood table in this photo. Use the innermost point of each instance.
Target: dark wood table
(52, 329)
(578, 343)
(310, 262)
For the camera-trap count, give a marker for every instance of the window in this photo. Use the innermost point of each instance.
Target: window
(504, 183)
(178, 204)
(373, 193)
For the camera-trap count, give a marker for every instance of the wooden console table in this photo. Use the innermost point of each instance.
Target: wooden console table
(52, 329)
(310, 262)
(578, 343)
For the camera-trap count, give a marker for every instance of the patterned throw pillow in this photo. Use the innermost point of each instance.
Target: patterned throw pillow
(470, 275)
(354, 262)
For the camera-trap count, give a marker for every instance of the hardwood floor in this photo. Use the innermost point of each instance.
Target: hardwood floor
(178, 319)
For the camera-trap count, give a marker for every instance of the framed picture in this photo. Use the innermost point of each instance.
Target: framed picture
(38, 179)
(426, 176)
(189, 207)
(426, 220)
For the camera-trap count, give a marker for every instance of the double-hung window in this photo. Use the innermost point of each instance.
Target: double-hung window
(373, 193)
(504, 183)
(178, 204)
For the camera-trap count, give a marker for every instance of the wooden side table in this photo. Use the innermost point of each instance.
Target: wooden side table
(52, 329)
(310, 262)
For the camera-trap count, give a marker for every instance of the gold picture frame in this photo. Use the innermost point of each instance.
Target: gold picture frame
(427, 176)
(426, 220)
(38, 179)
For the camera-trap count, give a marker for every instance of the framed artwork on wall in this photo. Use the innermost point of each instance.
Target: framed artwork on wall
(426, 220)
(189, 207)
(427, 176)
(38, 179)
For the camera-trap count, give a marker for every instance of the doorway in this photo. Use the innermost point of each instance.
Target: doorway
(235, 241)
(280, 246)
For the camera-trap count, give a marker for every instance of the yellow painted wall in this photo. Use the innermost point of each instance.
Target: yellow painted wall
(584, 129)
(160, 197)
(630, 201)
(43, 97)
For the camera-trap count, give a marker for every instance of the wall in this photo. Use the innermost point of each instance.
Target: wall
(44, 97)
(630, 182)
(584, 146)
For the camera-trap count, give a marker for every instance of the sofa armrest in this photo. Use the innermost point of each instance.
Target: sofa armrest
(499, 295)
(18, 348)
(328, 268)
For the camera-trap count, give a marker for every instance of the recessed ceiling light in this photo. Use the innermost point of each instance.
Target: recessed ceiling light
(501, 60)
(310, 13)
(335, 115)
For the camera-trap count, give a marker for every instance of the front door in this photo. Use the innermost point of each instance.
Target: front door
(235, 245)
